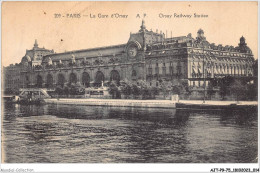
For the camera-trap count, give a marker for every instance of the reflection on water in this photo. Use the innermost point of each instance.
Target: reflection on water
(92, 134)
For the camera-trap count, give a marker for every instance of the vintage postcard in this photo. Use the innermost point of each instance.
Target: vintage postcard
(129, 82)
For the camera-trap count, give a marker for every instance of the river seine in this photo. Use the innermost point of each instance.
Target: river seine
(93, 134)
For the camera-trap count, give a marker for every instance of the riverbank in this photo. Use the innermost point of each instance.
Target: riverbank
(214, 102)
(147, 103)
(243, 106)
(115, 102)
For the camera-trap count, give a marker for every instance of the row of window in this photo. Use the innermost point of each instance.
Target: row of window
(163, 63)
(220, 70)
(198, 83)
(209, 73)
(157, 70)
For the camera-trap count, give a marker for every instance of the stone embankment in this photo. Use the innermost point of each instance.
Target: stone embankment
(224, 103)
(146, 103)
(115, 102)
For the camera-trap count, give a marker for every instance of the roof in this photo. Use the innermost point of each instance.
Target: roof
(38, 48)
(87, 53)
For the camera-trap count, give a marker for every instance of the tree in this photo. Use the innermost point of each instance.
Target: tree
(165, 87)
(224, 84)
(66, 89)
(76, 89)
(113, 90)
(126, 89)
(237, 88)
(59, 90)
(154, 91)
(144, 89)
(176, 89)
(8, 91)
(72, 89)
(210, 90)
(185, 88)
(182, 88)
(252, 92)
(135, 90)
(147, 92)
(16, 91)
(80, 88)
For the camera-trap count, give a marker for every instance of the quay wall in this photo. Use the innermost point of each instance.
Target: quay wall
(115, 102)
(170, 104)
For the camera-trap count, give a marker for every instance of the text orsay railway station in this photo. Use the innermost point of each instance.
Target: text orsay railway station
(146, 56)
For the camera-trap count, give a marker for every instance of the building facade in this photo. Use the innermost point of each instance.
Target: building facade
(12, 74)
(147, 55)
(12, 78)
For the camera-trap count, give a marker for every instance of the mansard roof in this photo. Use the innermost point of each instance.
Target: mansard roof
(42, 49)
(87, 53)
(200, 43)
(149, 41)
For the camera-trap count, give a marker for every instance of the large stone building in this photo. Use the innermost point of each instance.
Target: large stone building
(12, 74)
(147, 55)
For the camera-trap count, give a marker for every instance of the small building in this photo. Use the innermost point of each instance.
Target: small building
(12, 78)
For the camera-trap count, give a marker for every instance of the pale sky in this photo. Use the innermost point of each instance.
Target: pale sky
(23, 22)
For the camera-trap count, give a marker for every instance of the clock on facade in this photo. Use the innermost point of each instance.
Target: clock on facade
(132, 51)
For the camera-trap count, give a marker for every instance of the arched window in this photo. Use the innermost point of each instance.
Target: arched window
(133, 73)
(61, 80)
(164, 69)
(220, 69)
(39, 82)
(49, 83)
(114, 76)
(73, 78)
(27, 81)
(85, 79)
(99, 79)
(150, 70)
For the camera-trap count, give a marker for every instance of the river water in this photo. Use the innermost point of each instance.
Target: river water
(93, 134)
